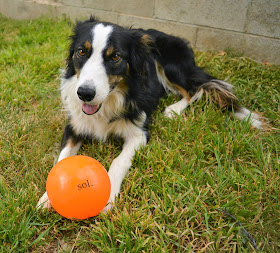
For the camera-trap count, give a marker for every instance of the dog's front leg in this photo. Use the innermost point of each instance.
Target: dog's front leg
(71, 143)
(121, 165)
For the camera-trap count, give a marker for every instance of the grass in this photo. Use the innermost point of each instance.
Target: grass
(194, 164)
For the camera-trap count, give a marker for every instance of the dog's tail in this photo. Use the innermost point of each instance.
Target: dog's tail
(221, 93)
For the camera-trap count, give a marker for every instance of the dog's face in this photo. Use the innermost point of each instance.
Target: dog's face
(103, 56)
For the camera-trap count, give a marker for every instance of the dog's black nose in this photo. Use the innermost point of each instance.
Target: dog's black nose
(86, 93)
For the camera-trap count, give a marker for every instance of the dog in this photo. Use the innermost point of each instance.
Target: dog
(114, 80)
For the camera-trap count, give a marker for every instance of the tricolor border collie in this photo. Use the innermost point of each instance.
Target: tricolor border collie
(113, 82)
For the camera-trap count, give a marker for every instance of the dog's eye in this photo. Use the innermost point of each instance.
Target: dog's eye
(81, 52)
(115, 57)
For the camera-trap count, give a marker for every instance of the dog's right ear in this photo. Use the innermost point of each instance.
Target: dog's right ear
(140, 46)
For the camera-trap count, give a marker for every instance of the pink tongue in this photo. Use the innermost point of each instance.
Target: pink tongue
(89, 109)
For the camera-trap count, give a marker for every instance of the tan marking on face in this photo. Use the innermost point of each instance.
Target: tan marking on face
(110, 51)
(77, 72)
(114, 106)
(115, 80)
(76, 69)
(88, 45)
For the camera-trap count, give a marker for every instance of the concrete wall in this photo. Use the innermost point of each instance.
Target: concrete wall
(251, 27)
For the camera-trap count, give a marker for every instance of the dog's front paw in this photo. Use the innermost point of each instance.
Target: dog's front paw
(171, 111)
(44, 202)
(107, 208)
(176, 109)
(111, 201)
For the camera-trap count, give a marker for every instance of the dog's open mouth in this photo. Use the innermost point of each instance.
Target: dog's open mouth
(90, 109)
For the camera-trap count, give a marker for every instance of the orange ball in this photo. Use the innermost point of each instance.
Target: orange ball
(78, 187)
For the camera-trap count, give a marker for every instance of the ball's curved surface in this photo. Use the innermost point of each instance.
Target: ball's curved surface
(78, 187)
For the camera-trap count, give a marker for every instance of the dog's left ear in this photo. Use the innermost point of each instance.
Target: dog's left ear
(141, 47)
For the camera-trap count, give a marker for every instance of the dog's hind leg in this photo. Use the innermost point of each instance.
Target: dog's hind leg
(221, 93)
(176, 108)
(180, 106)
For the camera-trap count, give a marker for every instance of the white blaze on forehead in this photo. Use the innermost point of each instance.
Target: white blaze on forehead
(93, 73)
(100, 37)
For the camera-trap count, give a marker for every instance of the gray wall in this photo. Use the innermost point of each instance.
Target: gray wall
(251, 27)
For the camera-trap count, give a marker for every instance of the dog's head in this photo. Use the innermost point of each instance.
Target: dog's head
(103, 56)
